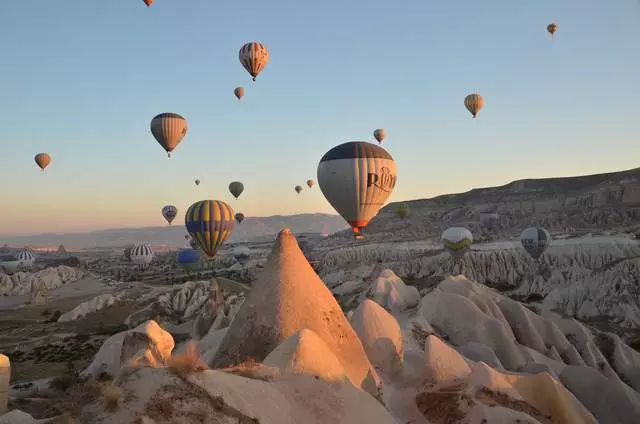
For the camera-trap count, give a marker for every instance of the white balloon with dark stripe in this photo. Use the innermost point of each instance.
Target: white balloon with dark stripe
(535, 241)
(357, 178)
(141, 254)
(25, 258)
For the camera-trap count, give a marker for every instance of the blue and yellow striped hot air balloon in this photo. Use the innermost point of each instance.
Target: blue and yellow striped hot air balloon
(210, 223)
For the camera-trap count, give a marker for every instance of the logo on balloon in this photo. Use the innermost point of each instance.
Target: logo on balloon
(385, 181)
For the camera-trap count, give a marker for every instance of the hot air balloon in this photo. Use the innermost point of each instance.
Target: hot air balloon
(298, 189)
(402, 210)
(239, 92)
(148, 2)
(42, 160)
(457, 241)
(311, 183)
(552, 28)
(197, 182)
(25, 258)
(380, 134)
(169, 129)
(141, 255)
(210, 222)
(236, 188)
(474, 102)
(535, 241)
(254, 57)
(188, 258)
(169, 212)
(357, 178)
(239, 217)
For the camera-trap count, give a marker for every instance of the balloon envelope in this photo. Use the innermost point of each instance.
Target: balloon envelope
(380, 134)
(236, 188)
(188, 256)
(210, 223)
(457, 241)
(169, 212)
(239, 92)
(357, 178)
(169, 129)
(403, 210)
(311, 183)
(42, 160)
(239, 217)
(474, 102)
(298, 189)
(254, 57)
(535, 241)
(141, 254)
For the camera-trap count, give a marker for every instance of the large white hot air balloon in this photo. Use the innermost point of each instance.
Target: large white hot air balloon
(535, 241)
(357, 178)
(457, 241)
(141, 255)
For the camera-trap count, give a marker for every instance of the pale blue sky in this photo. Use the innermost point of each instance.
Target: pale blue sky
(82, 79)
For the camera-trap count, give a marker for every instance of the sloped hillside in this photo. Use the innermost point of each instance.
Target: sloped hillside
(565, 205)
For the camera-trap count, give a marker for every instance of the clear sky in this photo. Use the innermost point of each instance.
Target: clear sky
(82, 79)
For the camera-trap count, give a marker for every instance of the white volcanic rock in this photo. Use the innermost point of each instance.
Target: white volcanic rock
(381, 337)
(480, 352)
(462, 322)
(591, 277)
(89, 307)
(287, 297)
(306, 353)
(5, 378)
(219, 397)
(50, 278)
(608, 399)
(442, 362)
(18, 417)
(390, 292)
(209, 344)
(147, 343)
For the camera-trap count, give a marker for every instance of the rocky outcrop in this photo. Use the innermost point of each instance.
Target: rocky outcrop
(41, 281)
(287, 298)
(147, 344)
(587, 278)
(89, 307)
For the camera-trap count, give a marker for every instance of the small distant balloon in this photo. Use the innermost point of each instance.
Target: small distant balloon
(380, 134)
(457, 241)
(535, 241)
(311, 183)
(239, 92)
(148, 2)
(236, 188)
(474, 102)
(239, 217)
(42, 160)
(298, 189)
(197, 182)
(141, 255)
(552, 28)
(403, 210)
(254, 57)
(169, 212)
(169, 129)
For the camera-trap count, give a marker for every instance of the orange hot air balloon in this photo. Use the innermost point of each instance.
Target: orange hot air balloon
(148, 2)
(552, 28)
(42, 160)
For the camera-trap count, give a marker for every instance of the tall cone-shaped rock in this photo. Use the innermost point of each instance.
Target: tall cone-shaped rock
(287, 297)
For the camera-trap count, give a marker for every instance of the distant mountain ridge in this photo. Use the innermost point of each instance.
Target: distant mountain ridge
(571, 205)
(252, 228)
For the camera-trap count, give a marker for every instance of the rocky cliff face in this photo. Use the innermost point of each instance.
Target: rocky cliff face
(595, 279)
(562, 205)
